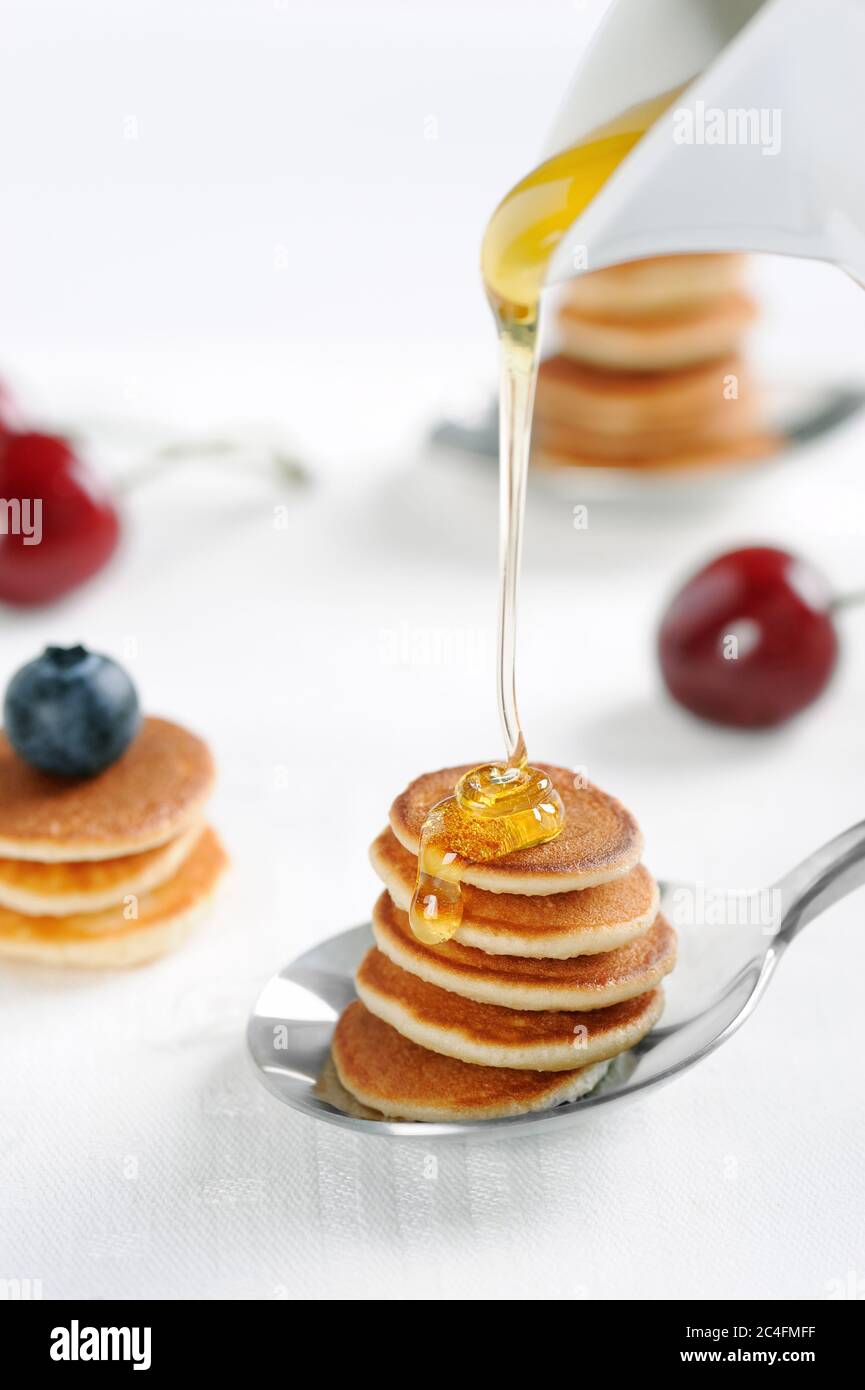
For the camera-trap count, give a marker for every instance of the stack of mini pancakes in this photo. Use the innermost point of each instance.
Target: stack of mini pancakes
(649, 371)
(111, 870)
(555, 970)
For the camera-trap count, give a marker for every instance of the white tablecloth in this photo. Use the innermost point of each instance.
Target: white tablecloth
(138, 1154)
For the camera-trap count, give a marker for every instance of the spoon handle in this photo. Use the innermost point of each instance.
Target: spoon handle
(824, 878)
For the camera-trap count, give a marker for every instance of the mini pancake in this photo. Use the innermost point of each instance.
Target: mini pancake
(558, 926)
(89, 885)
(600, 840)
(489, 1036)
(107, 940)
(761, 445)
(659, 342)
(328, 1087)
(583, 982)
(617, 406)
(656, 284)
(393, 1077)
(155, 790)
(651, 446)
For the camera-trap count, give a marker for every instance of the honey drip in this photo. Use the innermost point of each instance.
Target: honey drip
(493, 810)
(496, 809)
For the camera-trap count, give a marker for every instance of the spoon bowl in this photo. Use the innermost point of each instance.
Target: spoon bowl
(729, 945)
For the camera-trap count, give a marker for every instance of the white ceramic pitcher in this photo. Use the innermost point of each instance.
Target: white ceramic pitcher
(761, 152)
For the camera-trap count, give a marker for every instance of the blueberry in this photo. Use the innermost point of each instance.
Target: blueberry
(71, 712)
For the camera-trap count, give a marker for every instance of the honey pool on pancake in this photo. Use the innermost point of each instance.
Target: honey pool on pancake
(499, 808)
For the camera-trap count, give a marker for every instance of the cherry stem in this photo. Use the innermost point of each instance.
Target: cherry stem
(852, 600)
(281, 465)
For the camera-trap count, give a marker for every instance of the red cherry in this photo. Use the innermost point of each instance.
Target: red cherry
(79, 525)
(750, 639)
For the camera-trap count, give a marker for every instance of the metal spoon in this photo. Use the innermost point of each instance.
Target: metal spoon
(729, 946)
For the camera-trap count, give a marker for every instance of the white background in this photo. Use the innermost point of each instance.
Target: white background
(282, 244)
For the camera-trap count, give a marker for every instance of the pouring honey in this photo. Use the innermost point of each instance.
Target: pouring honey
(501, 807)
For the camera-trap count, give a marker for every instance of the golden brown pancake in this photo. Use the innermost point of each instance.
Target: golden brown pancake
(328, 1087)
(394, 1077)
(108, 939)
(558, 925)
(89, 885)
(156, 789)
(658, 342)
(564, 421)
(652, 446)
(656, 285)
(620, 405)
(600, 840)
(761, 445)
(583, 982)
(489, 1036)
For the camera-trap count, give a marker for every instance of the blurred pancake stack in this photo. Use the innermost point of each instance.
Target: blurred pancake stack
(649, 370)
(110, 870)
(555, 970)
